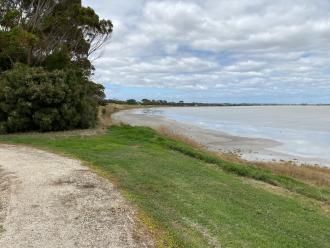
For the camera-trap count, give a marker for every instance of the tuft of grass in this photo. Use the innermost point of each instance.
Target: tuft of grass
(195, 199)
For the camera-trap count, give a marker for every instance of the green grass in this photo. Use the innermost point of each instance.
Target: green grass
(195, 199)
(321, 194)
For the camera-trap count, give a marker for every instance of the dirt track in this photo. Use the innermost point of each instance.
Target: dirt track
(51, 201)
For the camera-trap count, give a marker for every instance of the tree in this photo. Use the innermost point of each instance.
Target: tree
(60, 26)
(146, 102)
(131, 101)
(45, 70)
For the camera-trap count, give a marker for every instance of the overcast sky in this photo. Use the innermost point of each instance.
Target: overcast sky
(217, 50)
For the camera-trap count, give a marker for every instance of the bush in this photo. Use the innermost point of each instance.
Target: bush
(41, 100)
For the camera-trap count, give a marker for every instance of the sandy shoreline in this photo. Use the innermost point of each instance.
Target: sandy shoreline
(252, 149)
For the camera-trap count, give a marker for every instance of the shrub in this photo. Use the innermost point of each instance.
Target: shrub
(41, 100)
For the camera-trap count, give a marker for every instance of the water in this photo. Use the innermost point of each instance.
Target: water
(303, 131)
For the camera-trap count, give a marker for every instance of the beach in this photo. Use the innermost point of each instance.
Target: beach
(247, 148)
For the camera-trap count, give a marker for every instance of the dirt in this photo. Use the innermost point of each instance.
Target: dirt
(47, 200)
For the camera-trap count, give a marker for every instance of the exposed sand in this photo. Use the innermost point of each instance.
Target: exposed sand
(253, 149)
(51, 201)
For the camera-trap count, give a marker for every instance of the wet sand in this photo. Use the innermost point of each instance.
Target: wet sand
(252, 149)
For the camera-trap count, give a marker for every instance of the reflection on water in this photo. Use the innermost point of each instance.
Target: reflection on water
(303, 130)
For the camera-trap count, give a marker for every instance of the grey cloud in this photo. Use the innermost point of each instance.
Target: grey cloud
(233, 46)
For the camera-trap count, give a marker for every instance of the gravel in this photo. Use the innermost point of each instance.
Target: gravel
(47, 200)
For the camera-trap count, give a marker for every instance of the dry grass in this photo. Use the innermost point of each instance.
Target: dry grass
(316, 175)
(173, 135)
(312, 174)
(105, 113)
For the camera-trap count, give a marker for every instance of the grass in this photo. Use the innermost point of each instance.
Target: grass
(250, 171)
(312, 174)
(193, 199)
(316, 175)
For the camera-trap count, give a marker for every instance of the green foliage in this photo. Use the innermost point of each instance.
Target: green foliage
(14, 46)
(57, 61)
(60, 26)
(37, 99)
(131, 101)
(54, 39)
(10, 18)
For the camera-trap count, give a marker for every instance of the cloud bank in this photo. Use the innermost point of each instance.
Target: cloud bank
(219, 50)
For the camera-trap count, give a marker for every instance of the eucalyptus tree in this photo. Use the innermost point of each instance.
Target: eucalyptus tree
(51, 27)
(58, 37)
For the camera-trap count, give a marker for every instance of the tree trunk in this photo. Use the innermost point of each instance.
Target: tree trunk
(29, 57)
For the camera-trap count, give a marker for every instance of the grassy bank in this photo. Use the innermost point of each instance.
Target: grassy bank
(311, 174)
(193, 199)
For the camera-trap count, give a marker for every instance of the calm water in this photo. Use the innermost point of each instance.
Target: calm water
(303, 130)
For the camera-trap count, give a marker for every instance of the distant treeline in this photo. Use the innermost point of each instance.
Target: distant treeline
(190, 104)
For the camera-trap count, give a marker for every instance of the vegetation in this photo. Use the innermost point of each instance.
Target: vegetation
(190, 198)
(44, 64)
(147, 102)
(310, 174)
(253, 172)
(105, 114)
(33, 98)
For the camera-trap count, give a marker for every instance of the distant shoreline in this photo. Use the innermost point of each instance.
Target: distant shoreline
(160, 103)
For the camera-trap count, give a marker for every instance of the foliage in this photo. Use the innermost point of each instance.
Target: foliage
(36, 99)
(52, 27)
(190, 200)
(58, 36)
(184, 104)
(131, 102)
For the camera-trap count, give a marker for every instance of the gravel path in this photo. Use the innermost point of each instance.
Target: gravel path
(51, 201)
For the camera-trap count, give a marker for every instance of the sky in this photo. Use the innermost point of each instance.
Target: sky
(255, 51)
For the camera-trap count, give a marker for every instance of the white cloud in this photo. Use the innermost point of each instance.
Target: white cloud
(238, 46)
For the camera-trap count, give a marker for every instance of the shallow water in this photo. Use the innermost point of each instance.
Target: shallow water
(303, 131)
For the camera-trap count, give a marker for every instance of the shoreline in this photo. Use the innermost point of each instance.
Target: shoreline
(245, 148)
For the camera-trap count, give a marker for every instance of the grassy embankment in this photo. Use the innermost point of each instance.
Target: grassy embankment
(311, 174)
(190, 198)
